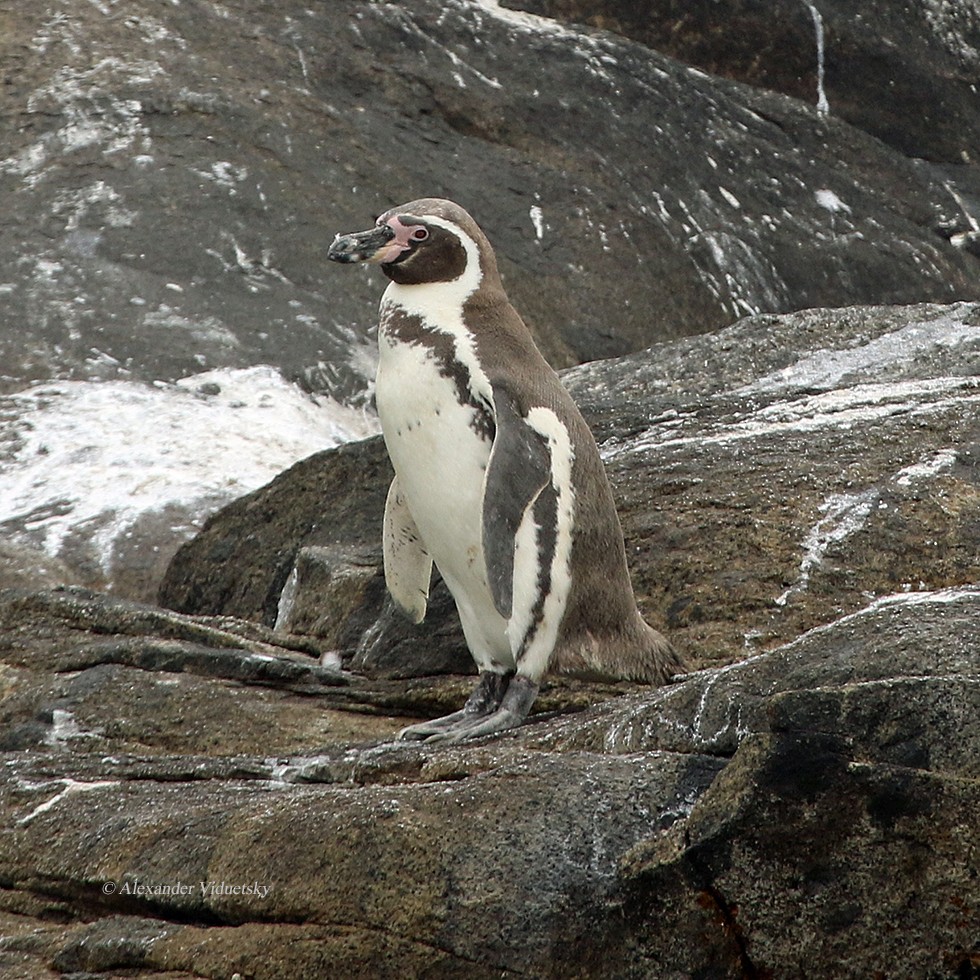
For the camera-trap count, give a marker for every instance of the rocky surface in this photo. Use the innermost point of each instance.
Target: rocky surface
(770, 477)
(172, 175)
(810, 811)
(205, 795)
(906, 73)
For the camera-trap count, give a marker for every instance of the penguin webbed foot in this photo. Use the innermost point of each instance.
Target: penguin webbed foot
(483, 701)
(426, 729)
(499, 702)
(513, 709)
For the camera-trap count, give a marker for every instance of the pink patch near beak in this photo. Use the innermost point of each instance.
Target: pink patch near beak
(394, 248)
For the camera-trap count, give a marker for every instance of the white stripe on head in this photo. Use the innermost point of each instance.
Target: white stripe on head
(439, 305)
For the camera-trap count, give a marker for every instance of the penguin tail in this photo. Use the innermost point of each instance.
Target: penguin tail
(659, 660)
(637, 652)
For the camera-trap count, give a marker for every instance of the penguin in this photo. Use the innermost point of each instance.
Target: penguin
(498, 479)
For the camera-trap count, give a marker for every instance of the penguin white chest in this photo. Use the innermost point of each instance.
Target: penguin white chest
(436, 408)
(439, 447)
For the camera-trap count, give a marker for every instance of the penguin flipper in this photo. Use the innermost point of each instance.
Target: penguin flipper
(408, 567)
(518, 470)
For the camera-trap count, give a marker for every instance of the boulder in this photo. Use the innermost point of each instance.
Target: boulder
(837, 842)
(910, 80)
(770, 477)
(809, 811)
(175, 176)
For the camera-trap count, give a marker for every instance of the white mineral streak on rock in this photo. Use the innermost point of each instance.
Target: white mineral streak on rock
(843, 514)
(71, 786)
(823, 106)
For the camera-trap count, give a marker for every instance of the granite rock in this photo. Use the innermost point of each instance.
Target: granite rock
(770, 477)
(173, 177)
(809, 811)
(911, 81)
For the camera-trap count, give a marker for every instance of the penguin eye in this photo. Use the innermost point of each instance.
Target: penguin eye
(420, 234)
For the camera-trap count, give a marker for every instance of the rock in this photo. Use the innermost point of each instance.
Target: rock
(24, 567)
(810, 811)
(199, 795)
(337, 510)
(887, 656)
(175, 176)
(88, 670)
(777, 902)
(861, 754)
(770, 478)
(910, 81)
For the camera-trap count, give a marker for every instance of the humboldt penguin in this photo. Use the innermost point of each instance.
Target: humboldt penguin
(498, 479)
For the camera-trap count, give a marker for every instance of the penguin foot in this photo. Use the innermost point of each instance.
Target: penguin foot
(426, 729)
(513, 709)
(485, 700)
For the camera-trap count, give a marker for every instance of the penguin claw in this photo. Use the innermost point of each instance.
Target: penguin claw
(411, 734)
(500, 721)
(425, 730)
(466, 725)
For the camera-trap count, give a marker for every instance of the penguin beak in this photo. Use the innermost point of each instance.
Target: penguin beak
(377, 245)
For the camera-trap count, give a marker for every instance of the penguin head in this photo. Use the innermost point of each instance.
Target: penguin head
(426, 241)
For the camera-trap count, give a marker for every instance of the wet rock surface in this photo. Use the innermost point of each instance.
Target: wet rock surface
(218, 790)
(910, 79)
(770, 477)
